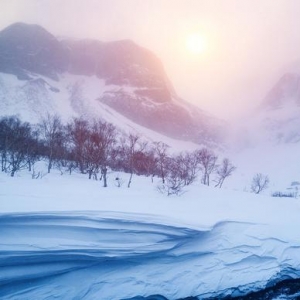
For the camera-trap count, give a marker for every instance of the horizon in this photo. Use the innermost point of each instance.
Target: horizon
(247, 47)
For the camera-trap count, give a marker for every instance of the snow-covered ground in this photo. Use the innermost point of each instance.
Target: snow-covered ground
(67, 237)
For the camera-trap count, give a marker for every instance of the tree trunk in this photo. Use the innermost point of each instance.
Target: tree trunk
(29, 165)
(130, 179)
(104, 174)
(49, 166)
(81, 168)
(13, 171)
(3, 163)
(221, 182)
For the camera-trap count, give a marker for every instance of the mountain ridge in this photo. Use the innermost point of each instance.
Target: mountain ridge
(131, 81)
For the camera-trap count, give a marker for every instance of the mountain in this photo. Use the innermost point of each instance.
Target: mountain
(285, 91)
(277, 119)
(279, 112)
(26, 49)
(114, 81)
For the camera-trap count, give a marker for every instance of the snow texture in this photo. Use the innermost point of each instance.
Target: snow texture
(65, 237)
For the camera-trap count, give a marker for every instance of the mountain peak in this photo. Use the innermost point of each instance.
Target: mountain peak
(19, 32)
(22, 26)
(128, 79)
(27, 48)
(285, 91)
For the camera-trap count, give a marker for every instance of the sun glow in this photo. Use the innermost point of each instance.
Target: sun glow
(196, 43)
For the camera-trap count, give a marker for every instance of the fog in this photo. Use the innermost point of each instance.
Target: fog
(249, 43)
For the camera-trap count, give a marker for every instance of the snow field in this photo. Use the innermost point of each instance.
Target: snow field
(118, 242)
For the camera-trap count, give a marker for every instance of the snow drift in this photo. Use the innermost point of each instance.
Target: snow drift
(119, 243)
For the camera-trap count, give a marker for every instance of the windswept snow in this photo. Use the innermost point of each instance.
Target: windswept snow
(118, 258)
(66, 237)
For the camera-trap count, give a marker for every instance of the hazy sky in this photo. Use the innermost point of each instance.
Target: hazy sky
(249, 42)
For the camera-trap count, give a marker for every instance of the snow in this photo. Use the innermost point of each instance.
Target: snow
(269, 125)
(67, 237)
(41, 99)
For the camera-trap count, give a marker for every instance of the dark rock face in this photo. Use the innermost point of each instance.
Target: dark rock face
(142, 90)
(170, 119)
(119, 63)
(30, 48)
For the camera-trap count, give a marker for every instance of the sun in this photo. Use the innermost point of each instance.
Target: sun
(196, 43)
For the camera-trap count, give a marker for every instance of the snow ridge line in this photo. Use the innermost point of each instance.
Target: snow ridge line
(105, 249)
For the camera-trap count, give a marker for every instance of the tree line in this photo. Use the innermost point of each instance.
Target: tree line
(95, 147)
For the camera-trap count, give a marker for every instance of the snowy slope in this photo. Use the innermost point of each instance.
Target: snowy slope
(83, 96)
(119, 243)
(277, 119)
(78, 96)
(89, 78)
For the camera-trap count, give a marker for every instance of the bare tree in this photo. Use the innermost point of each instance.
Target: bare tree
(191, 167)
(78, 132)
(104, 137)
(92, 152)
(184, 166)
(131, 147)
(223, 171)
(160, 150)
(260, 182)
(16, 144)
(33, 150)
(207, 160)
(6, 141)
(51, 131)
(92, 146)
(174, 177)
(147, 162)
(173, 185)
